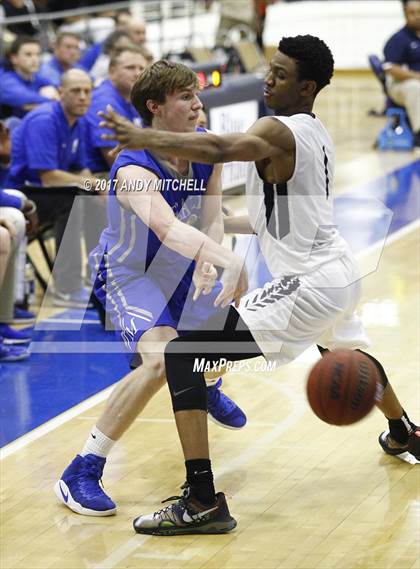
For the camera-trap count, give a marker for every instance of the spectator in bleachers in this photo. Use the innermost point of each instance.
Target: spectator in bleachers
(66, 55)
(137, 31)
(48, 149)
(23, 88)
(116, 41)
(402, 65)
(124, 68)
(13, 8)
(122, 19)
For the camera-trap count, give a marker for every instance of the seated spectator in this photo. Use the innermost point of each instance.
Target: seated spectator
(137, 31)
(8, 352)
(16, 199)
(66, 55)
(13, 8)
(116, 41)
(122, 19)
(402, 65)
(23, 88)
(124, 69)
(48, 149)
(4, 152)
(13, 269)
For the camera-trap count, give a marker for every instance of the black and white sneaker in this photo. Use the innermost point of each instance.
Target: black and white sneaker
(393, 448)
(187, 516)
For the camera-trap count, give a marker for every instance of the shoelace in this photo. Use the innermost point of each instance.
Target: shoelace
(89, 481)
(213, 398)
(168, 509)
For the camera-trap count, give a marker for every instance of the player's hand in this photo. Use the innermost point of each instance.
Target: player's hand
(204, 278)
(125, 132)
(235, 284)
(9, 226)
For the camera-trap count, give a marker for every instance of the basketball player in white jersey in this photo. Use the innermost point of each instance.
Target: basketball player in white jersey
(315, 285)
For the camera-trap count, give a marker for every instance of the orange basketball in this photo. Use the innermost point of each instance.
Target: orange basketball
(342, 386)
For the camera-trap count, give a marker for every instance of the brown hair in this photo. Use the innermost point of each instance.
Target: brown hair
(131, 49)
(19, 42)
(162, 78)
(62, 35)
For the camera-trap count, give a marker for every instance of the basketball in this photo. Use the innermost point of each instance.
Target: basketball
(341, 387)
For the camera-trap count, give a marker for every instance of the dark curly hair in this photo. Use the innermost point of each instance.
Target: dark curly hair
(313, 58)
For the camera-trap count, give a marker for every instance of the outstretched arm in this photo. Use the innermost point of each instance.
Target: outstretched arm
(188, 241)
(267, 138)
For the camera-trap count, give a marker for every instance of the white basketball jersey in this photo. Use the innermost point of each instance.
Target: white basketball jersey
(293, 220)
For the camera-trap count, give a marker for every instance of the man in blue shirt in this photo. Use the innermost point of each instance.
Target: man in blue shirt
(124, 67)
(23, 88)
(402, 62)
(66, 55)
(48, 149)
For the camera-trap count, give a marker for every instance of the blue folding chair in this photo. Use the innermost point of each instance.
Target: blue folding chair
(377, 67)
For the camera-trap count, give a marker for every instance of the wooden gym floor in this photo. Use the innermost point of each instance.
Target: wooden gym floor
(306, 495)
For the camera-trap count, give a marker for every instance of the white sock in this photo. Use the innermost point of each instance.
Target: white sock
(98, 444)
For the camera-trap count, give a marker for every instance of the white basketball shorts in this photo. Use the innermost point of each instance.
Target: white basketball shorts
(291, 313)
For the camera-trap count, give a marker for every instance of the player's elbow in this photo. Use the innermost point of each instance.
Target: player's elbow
(162, 228)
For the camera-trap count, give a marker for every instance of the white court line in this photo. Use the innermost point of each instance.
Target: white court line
(68, 321)
(165, 421)
(54, 423)
(101, 396)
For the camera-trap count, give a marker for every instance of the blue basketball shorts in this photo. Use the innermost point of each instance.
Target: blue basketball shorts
(137, 302)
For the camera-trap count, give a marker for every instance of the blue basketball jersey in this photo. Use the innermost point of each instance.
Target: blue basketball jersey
(131, 243)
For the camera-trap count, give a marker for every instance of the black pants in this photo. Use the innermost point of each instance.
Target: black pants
(77, 215)
(226, 336)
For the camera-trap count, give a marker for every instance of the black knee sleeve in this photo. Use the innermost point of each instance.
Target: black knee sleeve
(186, 386)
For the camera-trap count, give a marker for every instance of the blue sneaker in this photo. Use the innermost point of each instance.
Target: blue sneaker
(13, 353)
(79, 489)
(76, 299)
(21, 316)
(222, 410)
(13, 337)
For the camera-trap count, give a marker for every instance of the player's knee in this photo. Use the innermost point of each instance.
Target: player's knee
(16, 218)
(187, 389)
(156, 368)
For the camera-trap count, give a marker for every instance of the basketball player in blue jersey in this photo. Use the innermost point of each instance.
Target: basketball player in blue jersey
(312, 296)
(145, 268)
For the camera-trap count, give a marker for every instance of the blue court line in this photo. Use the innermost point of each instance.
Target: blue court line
(40, 388)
